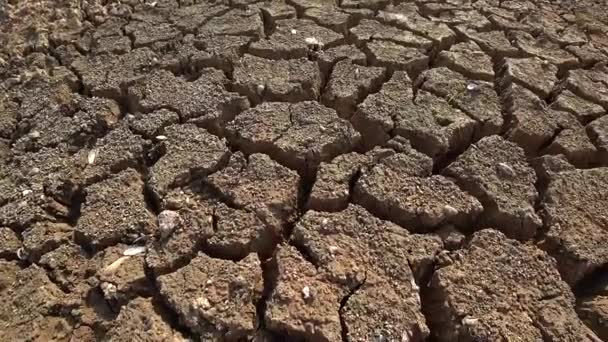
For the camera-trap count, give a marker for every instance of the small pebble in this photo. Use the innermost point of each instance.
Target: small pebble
(34, 134)
(26, 192)
(293, 31)
(161, 137)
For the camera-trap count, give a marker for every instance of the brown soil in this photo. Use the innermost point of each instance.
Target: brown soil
(303, 170)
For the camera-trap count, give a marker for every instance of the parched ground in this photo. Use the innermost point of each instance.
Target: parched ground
(304, 170)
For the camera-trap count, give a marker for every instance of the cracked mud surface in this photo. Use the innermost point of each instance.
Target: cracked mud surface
(304, 170)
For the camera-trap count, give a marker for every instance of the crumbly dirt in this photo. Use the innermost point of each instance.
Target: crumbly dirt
(303, 170)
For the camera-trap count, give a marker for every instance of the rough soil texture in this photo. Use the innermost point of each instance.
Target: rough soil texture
(304, 170)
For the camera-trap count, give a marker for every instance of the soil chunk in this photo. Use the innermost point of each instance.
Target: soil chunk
(218, 298)
(494, 171)
(532, 303)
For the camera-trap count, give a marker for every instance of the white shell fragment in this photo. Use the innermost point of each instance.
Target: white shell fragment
(472, 86)
(313, 42)
(260, 88)
(21, 254)
(91, 156)
(167, 221)
(161, 137)
(448, 210)
(506, 170)
(202, 302)
(306, 292)
(469, 320)
(415, 286)
(34, 134)
(111, 268)
(293, 31)
(109, 290)
(26, 192)
(134, 250)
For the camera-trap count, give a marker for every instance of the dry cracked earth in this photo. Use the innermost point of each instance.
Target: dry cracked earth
(304, 170)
